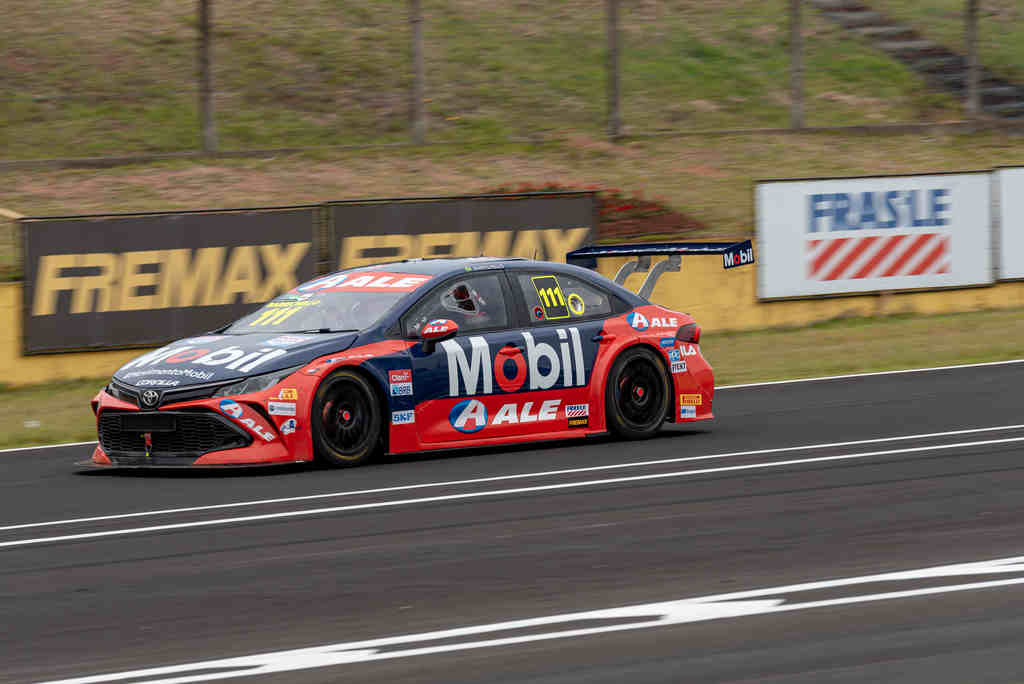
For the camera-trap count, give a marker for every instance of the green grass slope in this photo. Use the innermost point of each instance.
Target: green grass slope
(1000, 29)
(104, 76)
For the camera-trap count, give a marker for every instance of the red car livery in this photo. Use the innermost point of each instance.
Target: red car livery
(410, 356)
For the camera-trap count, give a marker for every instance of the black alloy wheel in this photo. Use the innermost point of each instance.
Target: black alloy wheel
(347, 419)
(638, 394)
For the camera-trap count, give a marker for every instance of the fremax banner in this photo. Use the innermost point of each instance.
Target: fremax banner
(849, 235)
(1011, 223)
(131, 280)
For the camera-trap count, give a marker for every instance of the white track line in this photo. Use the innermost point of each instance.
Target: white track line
(499, 478)
(718, 387)
(868, 375)
(499, 492)
(47, 446)
(641, 616)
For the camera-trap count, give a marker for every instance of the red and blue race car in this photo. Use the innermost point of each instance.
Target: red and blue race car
(412, 356)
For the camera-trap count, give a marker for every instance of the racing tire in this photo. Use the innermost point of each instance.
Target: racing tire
(347, 420)
(638, 395)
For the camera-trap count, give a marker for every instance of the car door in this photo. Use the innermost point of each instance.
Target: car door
(459, 396)
(567, 313)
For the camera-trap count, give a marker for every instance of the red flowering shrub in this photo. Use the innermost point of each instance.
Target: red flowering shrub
(622, 214)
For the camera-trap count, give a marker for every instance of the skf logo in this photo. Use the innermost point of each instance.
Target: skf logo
(403, 417)
(741, 255)
(209, 276)
(512, 370)
(549, 244)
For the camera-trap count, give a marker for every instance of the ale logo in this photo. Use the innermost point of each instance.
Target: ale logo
(637, 321)
(231, 408)
(468, 416)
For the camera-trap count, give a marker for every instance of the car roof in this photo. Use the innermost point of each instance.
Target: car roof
(445, 266)
(434, 266)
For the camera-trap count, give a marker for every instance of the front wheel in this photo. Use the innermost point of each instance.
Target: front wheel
(347, 419)
(637, 395)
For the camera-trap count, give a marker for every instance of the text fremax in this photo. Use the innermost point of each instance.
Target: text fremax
(166, 278)
(477, 372)
(872, 210)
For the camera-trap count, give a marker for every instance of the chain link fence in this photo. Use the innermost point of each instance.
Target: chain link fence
(90, 78)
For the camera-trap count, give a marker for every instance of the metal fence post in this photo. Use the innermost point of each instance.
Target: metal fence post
(973, 76)
(418, 113)
(614, 113)
(796, 68)
(207, 126)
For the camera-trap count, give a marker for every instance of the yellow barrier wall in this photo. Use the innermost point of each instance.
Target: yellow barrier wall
(723, 300)
(719, 300)
(16, 369)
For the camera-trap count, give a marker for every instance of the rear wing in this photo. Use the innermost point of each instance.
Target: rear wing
(733, 254)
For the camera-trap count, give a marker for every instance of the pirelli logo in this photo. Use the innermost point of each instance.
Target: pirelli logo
(165, 278)
(691, 399)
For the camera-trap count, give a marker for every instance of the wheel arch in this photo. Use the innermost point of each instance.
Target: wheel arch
(666, 371)
(376, 381)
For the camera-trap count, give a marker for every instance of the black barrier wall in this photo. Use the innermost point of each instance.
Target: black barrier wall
(144, 280)
(545, 226)
(141, 280)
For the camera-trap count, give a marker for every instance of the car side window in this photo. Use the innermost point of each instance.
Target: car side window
(475, 302)
(555, 296)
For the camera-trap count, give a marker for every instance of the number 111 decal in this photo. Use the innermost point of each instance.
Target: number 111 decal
(551, 297)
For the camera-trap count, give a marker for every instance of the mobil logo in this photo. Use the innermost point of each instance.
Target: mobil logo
(638, 321)
(738, 257)
(468, 416)
(533, 366)
(231, 357)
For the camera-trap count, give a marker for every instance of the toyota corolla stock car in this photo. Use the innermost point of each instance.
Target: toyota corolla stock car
(410, 356)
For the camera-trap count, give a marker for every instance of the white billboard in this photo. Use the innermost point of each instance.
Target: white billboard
(847, 235)
(1011, 223)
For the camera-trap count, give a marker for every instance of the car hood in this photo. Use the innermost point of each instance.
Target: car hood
(219, 358)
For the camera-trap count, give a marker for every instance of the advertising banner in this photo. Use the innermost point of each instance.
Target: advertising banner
(145, 279)
(544, 226)
(1011, 223)
(848, 235)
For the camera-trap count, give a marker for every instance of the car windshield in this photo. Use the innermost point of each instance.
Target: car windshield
(339, 302)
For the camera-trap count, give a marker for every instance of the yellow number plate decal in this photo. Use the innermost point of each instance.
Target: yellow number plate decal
(551, 298)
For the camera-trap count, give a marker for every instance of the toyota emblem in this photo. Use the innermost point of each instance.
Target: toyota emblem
(150, 398)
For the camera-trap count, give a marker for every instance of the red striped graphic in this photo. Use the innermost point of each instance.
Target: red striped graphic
(878, 256)
(851, 256)
(890, 244)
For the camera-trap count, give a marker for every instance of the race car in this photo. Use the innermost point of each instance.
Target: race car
(410, 356)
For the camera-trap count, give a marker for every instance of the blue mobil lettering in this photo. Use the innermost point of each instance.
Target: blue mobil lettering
(871, 210)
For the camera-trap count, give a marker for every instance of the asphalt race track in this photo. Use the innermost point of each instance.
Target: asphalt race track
(849, 530)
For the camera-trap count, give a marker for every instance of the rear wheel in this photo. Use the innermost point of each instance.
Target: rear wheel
(637, 396)
(347, 419)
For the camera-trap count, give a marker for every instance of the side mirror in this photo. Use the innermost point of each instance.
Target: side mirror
(437, 331)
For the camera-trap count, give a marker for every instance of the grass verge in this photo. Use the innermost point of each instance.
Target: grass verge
(109, 77)
(53, 413)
